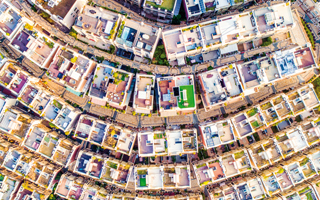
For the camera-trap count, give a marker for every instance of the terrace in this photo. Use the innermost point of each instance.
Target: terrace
(217, 133)
(24, 193)
(211, 34)
(269, 112)
(64, 185)
(175, 146)
(35, 171)
(65, 117)
(168, 99)
(286, 63)
(18, 82)
(89, 193)
(152, 143)
(98, 133)
(63, 152)
(249, 73)
(242, 125)
(309, 97)
(174, 42)
(283, 179)
(155, 176)
(83, 163)
(307, 167)
(12, 160)
(37, 49)
(112, 137)
(304, 57)
(84, 128)
(282, 106)
(230, 166)
(61, 64)
(204, 174)
(316, 161)
(213, 87)
(95, 167)
(129, 33)
(256, 188)
(229, 29)
(271, 183)
(10, 20)
(260, 156)
(48, 145)
(295, 173)
(75, 191)
(244, 192)
(307, 193)
(40, 102)
(123, 175)
(23, 166)
(46, 177)
(100, 83)
(169, 177)
(230, 80)
(217, 170)
(29, 94)
(34, 138)
(242, 161)
(184, 177)
(125, 141)
(164, 5)
(296, 102)
(52, 110)
(9, 121)
(298, 140)
(142, 178)
(144, 93)
(285, 145)
(273, 152)
(10, 187)
(8, 73)
(110, 172)
(189, 140)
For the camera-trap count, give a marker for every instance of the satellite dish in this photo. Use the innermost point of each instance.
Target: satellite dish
(145, 36)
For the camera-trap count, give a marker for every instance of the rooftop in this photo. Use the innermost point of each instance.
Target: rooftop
(10, 19)
(61, 9)
(144, 93)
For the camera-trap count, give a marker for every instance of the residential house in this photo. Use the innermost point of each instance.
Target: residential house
(91, 129)
(111, 85)
(214, 134)
(115, 172)
(137, 38)
(60, 113)
(29, 190)
(70, 186)
(97, 24)
(13, 78)
(72, 70)
(218, 86)
(149, 178)
(64, 12)
(161, 10)
(176, 95)
(226, 32)
(143, 99)
(9, 185)
(209, 172)
(34, 45)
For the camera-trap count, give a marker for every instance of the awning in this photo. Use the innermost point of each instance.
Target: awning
(228, 49)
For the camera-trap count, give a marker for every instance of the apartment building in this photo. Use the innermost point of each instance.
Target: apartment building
(214, 134)
(13, 78)
(64, 12)
(167, 177)
(161, 10)
(11, 20)
(97, 24)
(137, 38)
(227, 32)
(176, 95)
(60, 113)
(34, 45)
(167, 143)
(72, 70)
(143, 99)
(219, 85)
(104, 134)
(50, 144)
(111, 86)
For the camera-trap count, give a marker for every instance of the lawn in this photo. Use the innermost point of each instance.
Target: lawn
(190, 97)
(255, 124)
(143, 182)
(252, 112)
(309, 196)
(166, 4)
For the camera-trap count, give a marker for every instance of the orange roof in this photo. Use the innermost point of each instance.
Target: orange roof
(111, 87)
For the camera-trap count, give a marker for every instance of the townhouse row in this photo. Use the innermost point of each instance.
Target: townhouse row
(262, 155)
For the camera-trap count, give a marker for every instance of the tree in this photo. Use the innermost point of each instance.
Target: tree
(112, 49)
(266, 41)
(176, 19)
